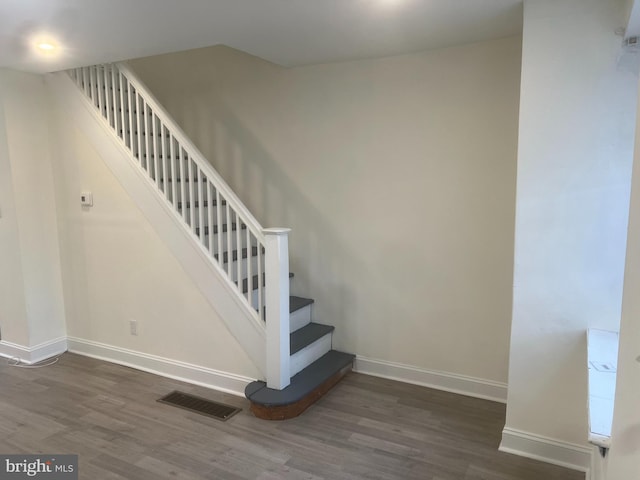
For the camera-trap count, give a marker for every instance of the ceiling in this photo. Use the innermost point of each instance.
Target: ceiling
(286, 32)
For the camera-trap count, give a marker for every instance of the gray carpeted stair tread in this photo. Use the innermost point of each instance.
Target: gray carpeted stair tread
(296, 303)
(302, 383)
(307, 335)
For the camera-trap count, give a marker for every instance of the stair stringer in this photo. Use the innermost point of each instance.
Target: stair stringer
(208, 277)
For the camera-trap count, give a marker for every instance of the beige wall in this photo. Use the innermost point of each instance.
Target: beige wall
(397, 176)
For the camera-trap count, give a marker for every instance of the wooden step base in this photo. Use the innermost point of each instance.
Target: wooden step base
(306, 387)
(284, 412)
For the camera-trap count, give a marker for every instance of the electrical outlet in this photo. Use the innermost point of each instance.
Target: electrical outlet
(133, 327)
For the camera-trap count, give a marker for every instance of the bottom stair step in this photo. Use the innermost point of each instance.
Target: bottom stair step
(306, 388)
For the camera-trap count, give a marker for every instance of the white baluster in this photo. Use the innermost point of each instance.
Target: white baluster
(239, 253)
(192, 197)
(200, 184)
(140, 106)
(93, 85)
(123, 118)
(183, 184)
(148, 149)
(129, 94)
(277, 281)
(230, 247)
(249, 266)
(174, 183)
(107, 94)
(219, 225)
(165, 164)
(114, 100)
(85, 81)
(210, 215)
(100, 75)
(154, 146)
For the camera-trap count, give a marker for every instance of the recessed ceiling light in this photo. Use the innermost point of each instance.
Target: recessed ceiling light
(46, 46)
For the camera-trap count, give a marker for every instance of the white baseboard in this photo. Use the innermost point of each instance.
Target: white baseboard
(545, 449)
(33, 354)
(470, 386)
(186, 372)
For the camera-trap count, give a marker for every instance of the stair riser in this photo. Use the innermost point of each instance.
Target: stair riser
(309, 354)
(300, 318)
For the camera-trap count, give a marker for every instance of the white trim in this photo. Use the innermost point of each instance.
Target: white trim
(449, 382)
(34, 354)
(165, 367)
(545, 449)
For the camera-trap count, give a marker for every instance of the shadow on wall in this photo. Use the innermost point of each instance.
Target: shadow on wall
(326, 268)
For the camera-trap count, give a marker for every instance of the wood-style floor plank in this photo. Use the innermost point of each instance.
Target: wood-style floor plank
(365, 427)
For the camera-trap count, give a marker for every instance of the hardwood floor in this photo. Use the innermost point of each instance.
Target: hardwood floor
(365, 427)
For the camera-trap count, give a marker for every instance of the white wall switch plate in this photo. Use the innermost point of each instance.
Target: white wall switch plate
(86, 199)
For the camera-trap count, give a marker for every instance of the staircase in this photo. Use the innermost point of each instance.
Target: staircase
(250, 263)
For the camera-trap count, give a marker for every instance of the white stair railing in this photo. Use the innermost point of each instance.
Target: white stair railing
(207, 208)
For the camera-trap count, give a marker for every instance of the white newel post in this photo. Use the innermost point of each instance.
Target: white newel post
(277, 306)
